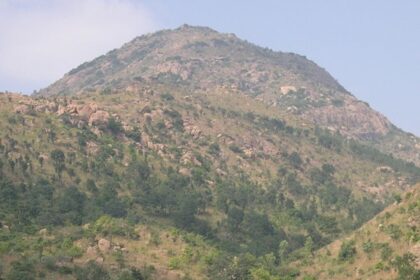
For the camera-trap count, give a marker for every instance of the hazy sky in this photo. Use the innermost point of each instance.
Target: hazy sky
(372, 47)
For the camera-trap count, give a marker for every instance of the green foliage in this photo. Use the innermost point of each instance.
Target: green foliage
(295, 160)
(134, 134)
(176, 119)
(236, 149)
(394, 231)
(406, 267)
(59, 160)
(368, 247)
(372, 154)
(329, 141)
(23, 269)
(214, 149)
(167, 96)
(69, 249)
(115, 126)
(136, 274)
(347, 251)
(107, 225)
(397, 198)
(283, 248)
(386, 251)
(309, 246)
(92, 271)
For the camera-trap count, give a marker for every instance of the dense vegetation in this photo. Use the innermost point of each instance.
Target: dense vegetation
(383, 248)
(51, 183)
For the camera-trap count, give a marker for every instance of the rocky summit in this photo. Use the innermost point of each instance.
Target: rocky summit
(201, 61)
(191, 154)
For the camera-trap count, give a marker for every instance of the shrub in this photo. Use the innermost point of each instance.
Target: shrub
(406, 267)
(166, 96)
(115, 126)
(235, 148)
(92, 271)
(394, 231)
(347, 251)
(295, 160)
(368, 247)
(22, 270)
(174, 263)
(214, 149)
(107, 225)
(386, 251)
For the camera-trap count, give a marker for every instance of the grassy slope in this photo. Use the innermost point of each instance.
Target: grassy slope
(392, 233)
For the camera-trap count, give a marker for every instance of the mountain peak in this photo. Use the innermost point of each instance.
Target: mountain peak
(221, 58)
(200, 60)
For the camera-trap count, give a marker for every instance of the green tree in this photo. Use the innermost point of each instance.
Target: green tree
(295, 160)
(115, 126)
(347, 250)
(235, 218)
(22, 270)
(283, 247)
(309, 246)
(92, 271)
(406, 267)
(58, 158)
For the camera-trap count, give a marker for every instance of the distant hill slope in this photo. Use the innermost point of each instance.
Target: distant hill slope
(387, 247)
(199, 60)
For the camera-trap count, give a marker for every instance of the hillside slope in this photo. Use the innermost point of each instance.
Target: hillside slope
(200, 61)
(157, 166)
(189, 154)
(387, 247)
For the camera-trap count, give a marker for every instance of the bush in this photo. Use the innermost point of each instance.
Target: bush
(236, 149)
(91, 271)
(386, 251)
(347, 251)
(166, 97)
(368, 247)
(174, 263)
(115, 126)
(406, 267)
(22, 270)
(107, 225)
(214, 149)
(133, 274)
(394, 231)
(295, 160)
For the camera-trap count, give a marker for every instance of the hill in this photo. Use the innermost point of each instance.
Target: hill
(168, 166)
(387, 247)
(200, 61)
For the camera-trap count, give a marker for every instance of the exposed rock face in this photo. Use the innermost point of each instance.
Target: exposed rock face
(87, 111)
(175, 68)
(185, 171)
(104, 245)
(354, 119)
(22, 109)
(99, 118)
(91, 252)
(188, 158)
(287, 89)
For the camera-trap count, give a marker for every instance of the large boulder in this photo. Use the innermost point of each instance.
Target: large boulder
(99, 118)
(104, 245)
(22, 109)
(86, 111)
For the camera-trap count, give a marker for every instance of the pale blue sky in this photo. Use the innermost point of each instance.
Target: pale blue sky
(371, 47)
